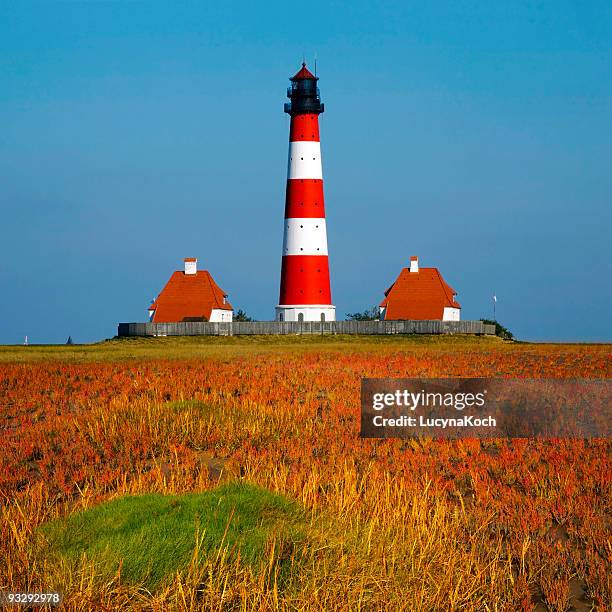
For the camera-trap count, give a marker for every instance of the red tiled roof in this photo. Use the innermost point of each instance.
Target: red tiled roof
(418, 295)
(188, 296)
(303, 73)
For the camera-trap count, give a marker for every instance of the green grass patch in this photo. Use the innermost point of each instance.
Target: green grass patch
(153, 536)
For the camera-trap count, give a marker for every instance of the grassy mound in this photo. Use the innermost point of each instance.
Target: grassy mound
(151, 537)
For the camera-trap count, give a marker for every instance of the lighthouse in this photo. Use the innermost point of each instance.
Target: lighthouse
(305, 293)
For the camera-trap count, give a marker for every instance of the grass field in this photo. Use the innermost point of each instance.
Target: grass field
(216, 346)
(227, 473)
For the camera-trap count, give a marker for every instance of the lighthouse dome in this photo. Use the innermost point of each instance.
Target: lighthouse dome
(304, 94)
(304, 73)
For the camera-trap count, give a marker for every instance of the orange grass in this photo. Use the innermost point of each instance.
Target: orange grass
(418, 525)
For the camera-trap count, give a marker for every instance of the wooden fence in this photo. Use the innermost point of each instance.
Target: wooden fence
(241, 328)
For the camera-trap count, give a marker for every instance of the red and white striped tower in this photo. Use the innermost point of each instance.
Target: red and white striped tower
(305, 293)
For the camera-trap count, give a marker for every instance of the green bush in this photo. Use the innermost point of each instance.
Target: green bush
(241, 315)
(500, 330)
(370, 314)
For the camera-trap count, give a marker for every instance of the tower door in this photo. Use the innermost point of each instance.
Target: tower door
(301, 317)
(323, 317)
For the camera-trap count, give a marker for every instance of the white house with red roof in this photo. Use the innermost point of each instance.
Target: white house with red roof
(191, 295)
(420, 294)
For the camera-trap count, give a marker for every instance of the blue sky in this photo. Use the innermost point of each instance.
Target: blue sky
(477, 135)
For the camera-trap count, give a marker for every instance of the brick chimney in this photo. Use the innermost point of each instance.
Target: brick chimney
(414, 264)
(191, 265)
